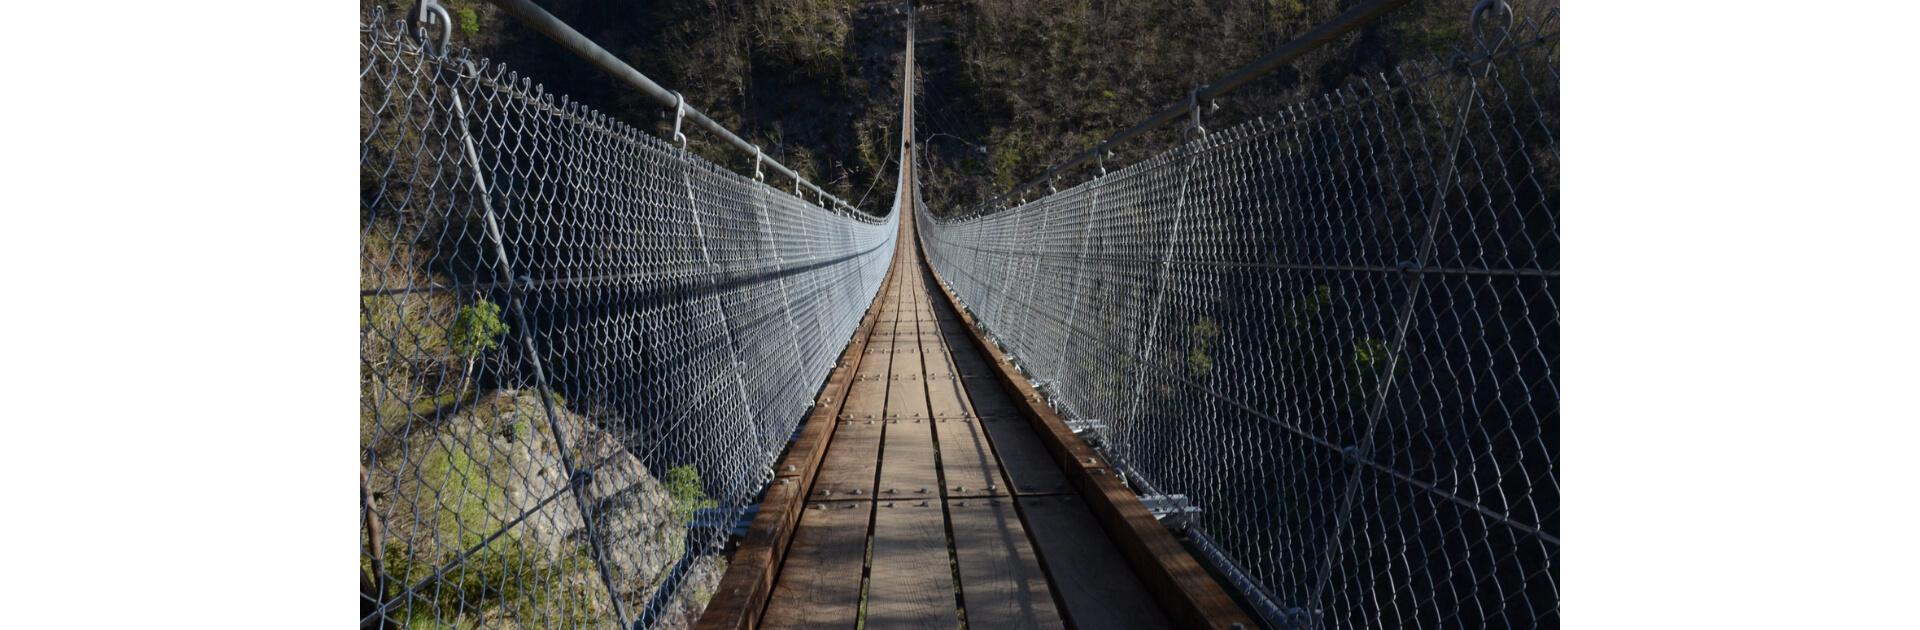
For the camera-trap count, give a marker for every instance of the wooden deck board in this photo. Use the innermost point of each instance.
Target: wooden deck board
(1000, 579)
(819, 584)
(851, 462)
(946, 398)
(907, 467)
(967, 459)
(987, 397)
(907, 390)
(1029, 468)
(1095, 582)
(912, 580)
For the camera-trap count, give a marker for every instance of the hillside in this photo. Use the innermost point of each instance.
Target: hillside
(1008, 86)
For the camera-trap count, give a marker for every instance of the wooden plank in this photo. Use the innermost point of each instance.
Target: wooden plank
(1095, 582)
(912, 579)
(967, 460)
(906, 391)
(819, 584)
(852, 459)
(970, 364)
(907, 465)
(1029, 468)
(939, 360)
(988, 397)
(944, 397)
(1001, 584)
(867, 399)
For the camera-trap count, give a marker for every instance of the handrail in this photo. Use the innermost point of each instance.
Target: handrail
(1346, 22)
(540, 20)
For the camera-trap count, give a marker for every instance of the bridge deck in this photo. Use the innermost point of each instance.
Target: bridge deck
(931, 493)
(920, 513)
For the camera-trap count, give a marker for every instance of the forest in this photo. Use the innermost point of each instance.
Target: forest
(1008, 87)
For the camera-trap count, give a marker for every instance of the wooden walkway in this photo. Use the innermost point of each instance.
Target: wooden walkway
(933, 488)
(915, 514)
(937, 501)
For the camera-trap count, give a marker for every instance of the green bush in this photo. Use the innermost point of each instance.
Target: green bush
(477, 328)
(468, 19)
(689, 495)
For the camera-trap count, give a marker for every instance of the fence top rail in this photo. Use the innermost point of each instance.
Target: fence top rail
(553, 28)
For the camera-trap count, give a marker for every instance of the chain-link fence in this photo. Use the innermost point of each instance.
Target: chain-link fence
(581, 349)
(1335, 330)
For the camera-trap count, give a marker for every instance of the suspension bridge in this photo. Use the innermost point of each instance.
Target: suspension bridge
(1296, 372)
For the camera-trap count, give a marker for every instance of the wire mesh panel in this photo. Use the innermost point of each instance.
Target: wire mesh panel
(1335, 330)
(581, 349)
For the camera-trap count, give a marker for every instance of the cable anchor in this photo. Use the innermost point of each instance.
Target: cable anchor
(430, 13)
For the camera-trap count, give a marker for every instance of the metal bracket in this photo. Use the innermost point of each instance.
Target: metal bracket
(1162, 505)
(758, 175)
(1171, 509)
(679, 115)
(1082, 426)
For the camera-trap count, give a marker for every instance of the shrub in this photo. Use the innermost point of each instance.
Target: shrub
(468, 20)
(477, 328)
(689, 495)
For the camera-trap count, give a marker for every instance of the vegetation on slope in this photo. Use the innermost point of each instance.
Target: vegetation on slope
(1031, 82)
